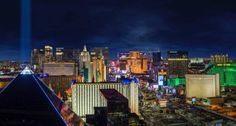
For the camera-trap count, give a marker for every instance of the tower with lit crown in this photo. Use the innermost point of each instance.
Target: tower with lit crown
(85, 67)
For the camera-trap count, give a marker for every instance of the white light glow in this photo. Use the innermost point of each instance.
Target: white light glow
(27, 71)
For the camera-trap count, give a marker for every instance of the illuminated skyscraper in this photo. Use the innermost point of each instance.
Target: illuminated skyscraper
(67, 54)
(202, 86)
(104, 51)
(101, 68)
(37, 59)
(48, 53)
(135, 62)
(224, 58)
(133, 99)
(86, 96)
(59, 54)
(227, 73)
(85, 67)
(93, 66)
(123, 61)
(71, 54)
(177, 63)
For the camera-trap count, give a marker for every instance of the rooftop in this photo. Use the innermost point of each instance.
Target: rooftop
(113, 95)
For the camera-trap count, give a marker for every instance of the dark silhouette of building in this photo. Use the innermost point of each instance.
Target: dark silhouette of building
(28, 101)
(116, 102)
(156, 58)
(177, 54)
(99, 118)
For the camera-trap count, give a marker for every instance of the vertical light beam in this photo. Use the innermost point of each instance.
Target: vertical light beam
(25, 30)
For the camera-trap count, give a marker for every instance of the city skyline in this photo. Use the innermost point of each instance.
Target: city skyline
(118, 62)
(202, 28)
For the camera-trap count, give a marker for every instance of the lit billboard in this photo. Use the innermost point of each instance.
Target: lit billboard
(161, 80)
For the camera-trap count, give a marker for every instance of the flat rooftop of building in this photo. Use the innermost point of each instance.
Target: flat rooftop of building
(113, 95)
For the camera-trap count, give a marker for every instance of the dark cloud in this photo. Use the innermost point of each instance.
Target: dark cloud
(201, 26)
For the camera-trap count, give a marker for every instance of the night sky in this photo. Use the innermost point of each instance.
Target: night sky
(202, 27)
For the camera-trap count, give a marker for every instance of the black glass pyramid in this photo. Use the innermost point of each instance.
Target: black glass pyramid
(28, 101)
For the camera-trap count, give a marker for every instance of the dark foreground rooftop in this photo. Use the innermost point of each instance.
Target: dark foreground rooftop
(28, 101)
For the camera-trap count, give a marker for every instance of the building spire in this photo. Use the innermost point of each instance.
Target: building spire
(85, 49)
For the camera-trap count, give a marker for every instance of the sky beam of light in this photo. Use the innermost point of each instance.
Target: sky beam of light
(25, 32)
